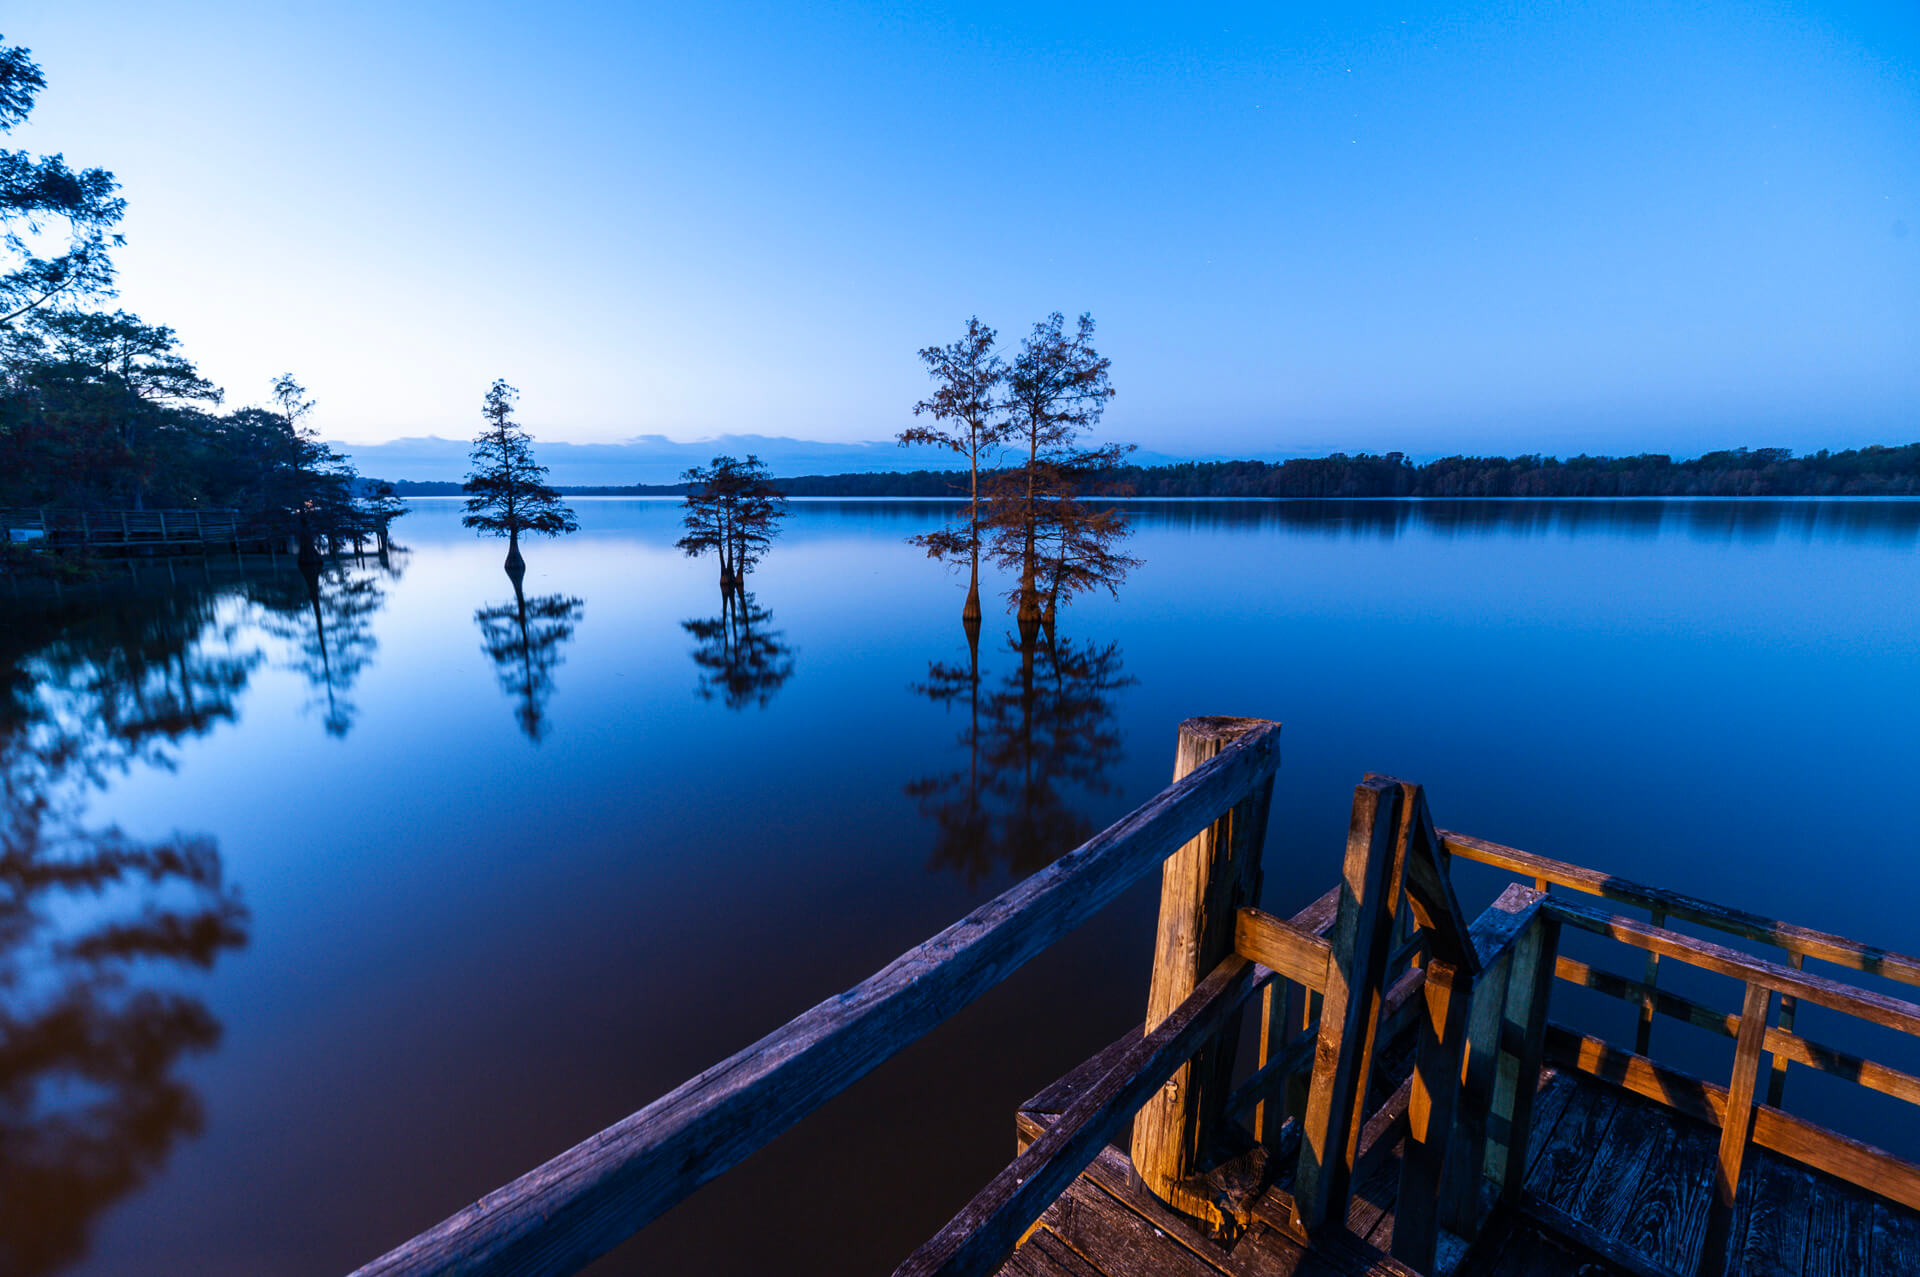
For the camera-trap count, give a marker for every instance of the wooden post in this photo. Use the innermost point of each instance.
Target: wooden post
(1349, 1009)
(1436, 1083)
(1460, 1196)
(1202, 887)
(1746, 1068)
(1523, 1024)
(1777, 1083)
(1643, 1035)
(1735, 1128)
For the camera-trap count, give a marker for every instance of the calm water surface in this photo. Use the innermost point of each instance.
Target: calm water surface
(376, 901)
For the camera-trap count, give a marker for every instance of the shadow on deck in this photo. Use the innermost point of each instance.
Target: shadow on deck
(1615, 1184)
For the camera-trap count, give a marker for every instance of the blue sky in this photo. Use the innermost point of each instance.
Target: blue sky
(1490, 228)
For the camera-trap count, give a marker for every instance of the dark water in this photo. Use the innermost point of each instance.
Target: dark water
(372, 902)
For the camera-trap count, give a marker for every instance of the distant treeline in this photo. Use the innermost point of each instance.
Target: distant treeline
(1739, 472)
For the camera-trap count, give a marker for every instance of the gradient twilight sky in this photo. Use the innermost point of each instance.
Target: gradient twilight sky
(1501, 228)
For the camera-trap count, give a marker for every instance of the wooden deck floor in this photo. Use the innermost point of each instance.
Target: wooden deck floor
(1615, 1184)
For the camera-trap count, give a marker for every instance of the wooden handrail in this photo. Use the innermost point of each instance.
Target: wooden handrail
(1286, 950)
(1782, 1044)
(1805, 941)
(979, 1239)
(562, 1215)
(1875, 1008)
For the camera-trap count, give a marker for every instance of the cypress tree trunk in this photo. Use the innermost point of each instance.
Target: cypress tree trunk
(516, 566)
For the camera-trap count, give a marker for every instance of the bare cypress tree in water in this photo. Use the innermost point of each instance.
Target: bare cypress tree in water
(968, 419)
(505, 492)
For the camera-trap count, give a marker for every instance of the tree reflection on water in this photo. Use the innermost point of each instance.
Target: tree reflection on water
(325, 615)
(742, 658)
(94, 921)
(1047, 724)
(523, 639)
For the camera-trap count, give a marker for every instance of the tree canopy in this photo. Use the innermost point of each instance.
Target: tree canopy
(733, 510)
(56, 222)
(506, 492)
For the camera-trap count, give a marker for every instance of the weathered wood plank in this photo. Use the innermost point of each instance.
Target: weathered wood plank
(1621, 1165)
(1778, 1211)
(1435, 1085)
(1563, 1163)
(1736, 1120)
(1203, 887)
(1349, 1008)
(1494, 935)
(1548, 1104)
(1678, 1006)
(1111, 1173)
(1429, 887)
(1896, 1241)
(986, 1230)
(1839, 1231)
(1045, 1255)
(559, 1216)
(1826, 946)
(1666, 1220)
(1844, 1158)
(1874, 1076)
(1582, 1236)
(1118, 1241)
(1523, 1032)
(1282, 948)
(1875, 1008)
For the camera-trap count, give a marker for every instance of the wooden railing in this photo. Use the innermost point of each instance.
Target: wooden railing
(129, 529)
(560, 1216)
(1385, 953)
(1772, 991)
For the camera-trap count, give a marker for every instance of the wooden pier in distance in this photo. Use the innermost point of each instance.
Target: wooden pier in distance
(1410, 1105)
(159, 532)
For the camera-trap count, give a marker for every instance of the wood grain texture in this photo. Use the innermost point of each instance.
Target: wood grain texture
(1047, 1256)
(1282, 948)
(985, 1231)
(1439, 1050)
(1736, 1119)
(1429, 885)
(1839, 1231)
(1567, 1156)
(1666, 1220)
(1621, 1163)
(1494, 935)
(1523, 1034)
(1349, 1009)
(1896, 1240)
(1826, 946)
(1203, 887)
(1584, 1238)
(560, 1216)
(1875, 1008)
(1851, 1160)
(1777, 1212)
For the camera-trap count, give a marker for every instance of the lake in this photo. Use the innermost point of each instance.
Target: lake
(377, 900)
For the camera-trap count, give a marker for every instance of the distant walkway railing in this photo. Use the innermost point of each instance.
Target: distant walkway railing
(186, 529)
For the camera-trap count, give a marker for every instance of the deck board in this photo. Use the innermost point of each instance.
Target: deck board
(1562, 1165)
(1839, 1231)
(1779, 1200)
(1630, 1170)
(1666, 1217)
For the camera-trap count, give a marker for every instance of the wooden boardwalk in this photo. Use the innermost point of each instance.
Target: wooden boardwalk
(1614, 1185)
(189, 531)
(1409, 1107)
